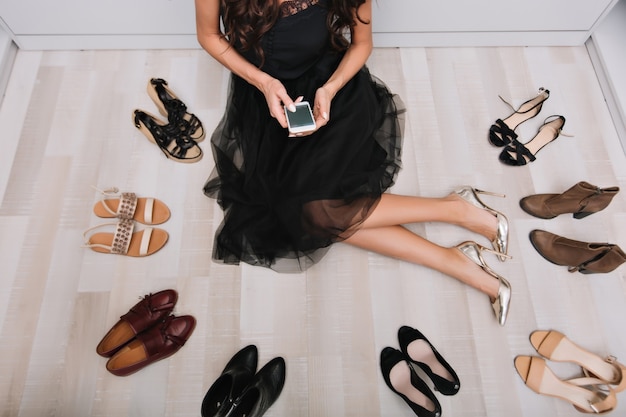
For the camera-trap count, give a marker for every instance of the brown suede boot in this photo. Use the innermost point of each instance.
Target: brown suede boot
(582, 199)
(586, 258)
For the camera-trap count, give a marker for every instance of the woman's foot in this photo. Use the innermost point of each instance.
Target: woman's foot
(475, 218)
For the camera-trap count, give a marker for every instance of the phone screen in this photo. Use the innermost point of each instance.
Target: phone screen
(301, 117)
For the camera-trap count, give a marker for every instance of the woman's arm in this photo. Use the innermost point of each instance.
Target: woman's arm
(213, 41)
(355, 57)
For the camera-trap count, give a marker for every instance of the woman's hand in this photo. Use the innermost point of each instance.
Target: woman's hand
(321, 108)
(277, 97)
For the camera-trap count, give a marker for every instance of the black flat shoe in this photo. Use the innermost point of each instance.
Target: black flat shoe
(174, 109)
(262, 391)
(422, 353)
(401, 378)
(237, 374)
(172, 143)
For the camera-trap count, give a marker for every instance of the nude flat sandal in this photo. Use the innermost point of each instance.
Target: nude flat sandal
(587, 395)
(555, 346)
(148, 211)
(124, 241)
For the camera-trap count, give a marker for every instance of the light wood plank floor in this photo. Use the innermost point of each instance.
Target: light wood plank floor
(65, 125)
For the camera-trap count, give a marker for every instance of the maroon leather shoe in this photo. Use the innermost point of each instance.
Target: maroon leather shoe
(152, 309)
(152, 345)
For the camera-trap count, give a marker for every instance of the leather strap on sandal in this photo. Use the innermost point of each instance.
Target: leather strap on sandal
(123, 234)
(506, 134)
(606, 399)
(121, 238)
(517, 151)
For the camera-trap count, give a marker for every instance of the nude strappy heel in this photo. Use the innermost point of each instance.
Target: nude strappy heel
(124, 241)
(586, 394)
(555, 346)
(149, 211)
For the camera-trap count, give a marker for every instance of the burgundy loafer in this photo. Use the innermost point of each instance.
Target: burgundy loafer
(152, 345)
(152, 309)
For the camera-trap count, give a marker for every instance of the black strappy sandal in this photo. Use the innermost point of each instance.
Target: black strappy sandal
(502, 132)
(518, 154)
(174, 109)
(175, 145)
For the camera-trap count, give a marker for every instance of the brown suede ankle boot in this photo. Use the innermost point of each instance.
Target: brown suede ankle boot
(582, 199)
(586, 258)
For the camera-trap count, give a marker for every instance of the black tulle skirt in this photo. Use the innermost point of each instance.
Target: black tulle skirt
(286, 200)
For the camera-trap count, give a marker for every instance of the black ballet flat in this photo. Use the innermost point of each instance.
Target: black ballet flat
(261, 392)
(409, 386)
(174, 109)
(235, 377)
(428, 360)
(168, 138)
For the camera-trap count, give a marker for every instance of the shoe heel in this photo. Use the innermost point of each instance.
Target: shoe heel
(477, 191)
(495, 252)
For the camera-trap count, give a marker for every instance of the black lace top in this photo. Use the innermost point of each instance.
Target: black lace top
(289, 7)
(297, 41)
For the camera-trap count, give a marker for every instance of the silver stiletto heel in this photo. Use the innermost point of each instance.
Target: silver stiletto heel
(501, 304)
(501, 241)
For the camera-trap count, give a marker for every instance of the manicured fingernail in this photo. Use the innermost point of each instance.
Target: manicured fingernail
(292, 108)
(325, 116)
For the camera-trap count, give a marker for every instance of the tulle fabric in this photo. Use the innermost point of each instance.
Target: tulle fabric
(286, 200)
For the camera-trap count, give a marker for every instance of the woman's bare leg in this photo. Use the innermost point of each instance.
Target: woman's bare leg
(393, 209)
(400, 243)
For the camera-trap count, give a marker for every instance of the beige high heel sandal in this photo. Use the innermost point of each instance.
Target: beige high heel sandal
(585, 394)
(501, 241)
(555, 346)
(124, 241)
(501, 304)
(148, 211)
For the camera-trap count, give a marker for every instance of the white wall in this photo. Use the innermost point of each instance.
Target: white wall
(607, 48)
(7, 55)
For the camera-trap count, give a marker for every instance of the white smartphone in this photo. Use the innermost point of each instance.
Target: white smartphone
(300, 120)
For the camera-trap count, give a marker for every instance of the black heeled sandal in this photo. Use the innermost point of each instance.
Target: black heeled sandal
(174, 109)
(235, 377)
(418, 349)
(518, 154)
(168, 138)
(407, 384)
(502, 132)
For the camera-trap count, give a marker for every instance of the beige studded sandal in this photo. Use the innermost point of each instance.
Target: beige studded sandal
(124, 241)
(128, 206)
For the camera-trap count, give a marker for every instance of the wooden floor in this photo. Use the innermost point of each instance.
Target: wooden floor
(65, 125)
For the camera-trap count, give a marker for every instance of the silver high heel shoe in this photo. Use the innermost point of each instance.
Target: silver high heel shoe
(501, 241)
(501, 304)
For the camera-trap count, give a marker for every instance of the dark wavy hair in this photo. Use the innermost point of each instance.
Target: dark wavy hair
(246, 21)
